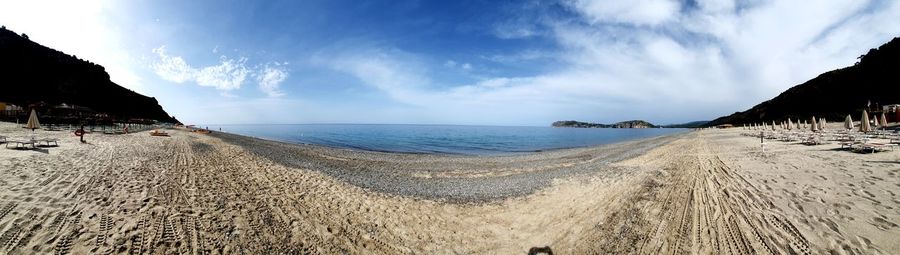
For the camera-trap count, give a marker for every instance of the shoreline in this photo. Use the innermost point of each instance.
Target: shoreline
(418, 144)
(459, 178)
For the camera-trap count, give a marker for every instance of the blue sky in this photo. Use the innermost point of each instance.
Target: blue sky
(458, 62)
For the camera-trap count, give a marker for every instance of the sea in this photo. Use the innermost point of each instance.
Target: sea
(442, 139)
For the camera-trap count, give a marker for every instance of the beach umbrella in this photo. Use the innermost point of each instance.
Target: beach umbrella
(875, 122)
(883, 120)
(798, 125)
(864, 125)
(773, 125)
(848, 122)
(822, 124)
(813, 126)
(789, 123)
(33, 122)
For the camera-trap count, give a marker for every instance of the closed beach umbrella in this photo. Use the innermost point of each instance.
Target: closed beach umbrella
(864, 125)
(773, 125)
(822, 124)
(33, 122)
(798, 125)
(848, 122)
(813, 126)
(883, 120)
(789, 123)
(875, 122)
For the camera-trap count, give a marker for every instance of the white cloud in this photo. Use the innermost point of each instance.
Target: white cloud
(714, 60)
(171, 68)
(270, 79)
(638, 12)
(228, 74)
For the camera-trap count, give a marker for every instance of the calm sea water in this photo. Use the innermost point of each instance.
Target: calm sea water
(473, 140)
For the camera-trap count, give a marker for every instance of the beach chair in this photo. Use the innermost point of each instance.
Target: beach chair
(849, 144)
(48, 141)
(871, 147)
(21, 143)
(895, 140)
(158, 133)
(813, 140)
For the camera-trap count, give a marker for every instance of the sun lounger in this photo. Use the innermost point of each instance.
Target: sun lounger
(872, 147)
(21, 143)
(814, 141)
(849, 144)
(48, 141)
(158, 133)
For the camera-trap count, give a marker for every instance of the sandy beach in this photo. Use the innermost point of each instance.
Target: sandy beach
(701, 192)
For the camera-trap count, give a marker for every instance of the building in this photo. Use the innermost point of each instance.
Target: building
(7, 109)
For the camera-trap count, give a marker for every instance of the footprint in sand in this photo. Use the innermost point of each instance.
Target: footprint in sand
(882, 224)
(868, 193)
(842, 206)
(831, 225)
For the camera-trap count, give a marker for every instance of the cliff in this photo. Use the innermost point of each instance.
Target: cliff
(31, 73)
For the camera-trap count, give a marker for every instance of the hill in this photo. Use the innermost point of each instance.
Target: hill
(692, 124)
(623, 124)
(31, 73)
(833, 94)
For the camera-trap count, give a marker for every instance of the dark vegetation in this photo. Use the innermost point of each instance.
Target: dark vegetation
(873, 81)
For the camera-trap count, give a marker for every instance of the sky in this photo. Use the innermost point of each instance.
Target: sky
(458, 62)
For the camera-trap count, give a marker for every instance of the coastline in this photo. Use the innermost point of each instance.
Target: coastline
(701, 192)
(447, 177)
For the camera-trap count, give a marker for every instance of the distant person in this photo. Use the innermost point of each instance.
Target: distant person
(80, 133)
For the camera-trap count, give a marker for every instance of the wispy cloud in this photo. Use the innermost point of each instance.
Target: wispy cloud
(398, 73)
(653, 59)
(229, 74)
(637, 12)
(270, 79)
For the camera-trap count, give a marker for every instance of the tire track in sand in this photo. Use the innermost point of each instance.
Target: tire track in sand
(697, 204)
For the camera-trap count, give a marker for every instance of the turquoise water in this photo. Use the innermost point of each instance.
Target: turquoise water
(450, 139)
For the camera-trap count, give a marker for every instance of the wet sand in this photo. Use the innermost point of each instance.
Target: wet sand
(699, 192)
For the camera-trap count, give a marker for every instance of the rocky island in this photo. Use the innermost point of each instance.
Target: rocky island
(622, 124)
